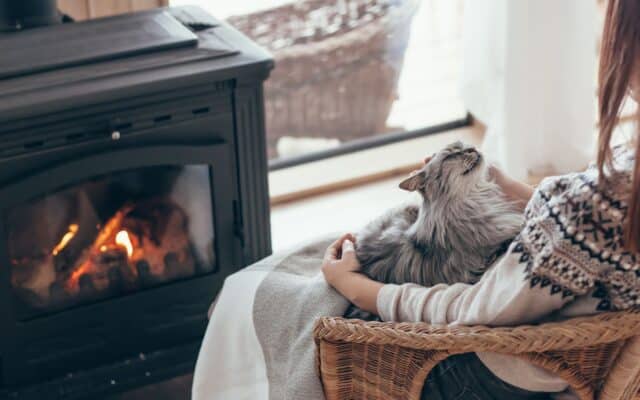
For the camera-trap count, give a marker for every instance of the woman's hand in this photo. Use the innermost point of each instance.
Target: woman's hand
(340, 258)
(517, 191)
(340, 268)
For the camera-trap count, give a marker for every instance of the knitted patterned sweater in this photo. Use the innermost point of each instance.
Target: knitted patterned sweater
(568, 261)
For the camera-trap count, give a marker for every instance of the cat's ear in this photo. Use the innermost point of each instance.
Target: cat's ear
(414, 182)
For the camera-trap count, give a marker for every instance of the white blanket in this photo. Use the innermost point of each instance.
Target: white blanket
(259, 344)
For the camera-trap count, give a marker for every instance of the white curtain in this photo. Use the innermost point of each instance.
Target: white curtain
(529, 75)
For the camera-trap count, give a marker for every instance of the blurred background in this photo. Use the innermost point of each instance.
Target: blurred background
(349, 70)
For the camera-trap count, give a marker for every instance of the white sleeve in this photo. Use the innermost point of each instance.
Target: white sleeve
(504, 296)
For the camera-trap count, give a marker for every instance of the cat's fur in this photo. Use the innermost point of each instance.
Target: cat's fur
(452, 236)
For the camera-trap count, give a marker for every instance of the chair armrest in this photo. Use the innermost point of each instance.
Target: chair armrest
(384, 360)
(566, 335)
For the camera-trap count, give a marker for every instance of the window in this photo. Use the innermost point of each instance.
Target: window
(352, 74)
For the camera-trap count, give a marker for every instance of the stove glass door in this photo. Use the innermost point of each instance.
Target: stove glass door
(111, 235)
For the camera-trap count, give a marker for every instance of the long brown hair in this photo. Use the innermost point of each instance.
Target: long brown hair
(619, 53)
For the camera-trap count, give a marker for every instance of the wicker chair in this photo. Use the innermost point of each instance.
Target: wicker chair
(599, 355)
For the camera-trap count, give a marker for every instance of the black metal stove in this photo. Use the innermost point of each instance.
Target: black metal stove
(132, 182)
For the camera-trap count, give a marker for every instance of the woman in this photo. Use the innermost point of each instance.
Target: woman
(577, 254)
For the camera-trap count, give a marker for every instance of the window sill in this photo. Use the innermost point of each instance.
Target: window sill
(354, 169)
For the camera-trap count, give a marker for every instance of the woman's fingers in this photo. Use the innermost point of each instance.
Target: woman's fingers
(334, 249)
(340, 258)
(347, 249)
(332, 253)
(349, 261)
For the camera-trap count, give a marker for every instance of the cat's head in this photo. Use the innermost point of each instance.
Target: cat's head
(451, 172)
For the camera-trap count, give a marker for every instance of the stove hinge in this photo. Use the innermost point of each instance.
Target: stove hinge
(238, 225)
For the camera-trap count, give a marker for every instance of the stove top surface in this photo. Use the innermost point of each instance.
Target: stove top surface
(106, 39)
(182, 47)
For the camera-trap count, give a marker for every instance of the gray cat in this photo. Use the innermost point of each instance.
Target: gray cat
(462, 224)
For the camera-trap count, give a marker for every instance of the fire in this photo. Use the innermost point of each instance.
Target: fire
(122, 239)
(105, 241)
(125, 249)
(73, 229)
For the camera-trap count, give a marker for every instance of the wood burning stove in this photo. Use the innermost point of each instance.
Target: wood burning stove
(131, 185)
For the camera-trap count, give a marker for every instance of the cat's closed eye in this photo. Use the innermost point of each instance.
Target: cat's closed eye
(452, 155)
(459, 153)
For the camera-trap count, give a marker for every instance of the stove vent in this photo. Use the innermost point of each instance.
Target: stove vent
(106, 128)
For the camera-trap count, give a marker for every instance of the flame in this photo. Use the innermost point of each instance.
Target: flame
(73, 229)
(122, 239)
(101, 243)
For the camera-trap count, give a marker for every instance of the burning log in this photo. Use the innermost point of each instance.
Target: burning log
(57, 293)
(87, 288)
(173, 268)
(34, 275)
(141, 245)
(148, 242)
(115, 280)
(145, 277)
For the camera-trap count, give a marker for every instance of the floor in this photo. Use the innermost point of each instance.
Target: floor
(351, 169)
(349, 209)
(343, 211)
(174, 389)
